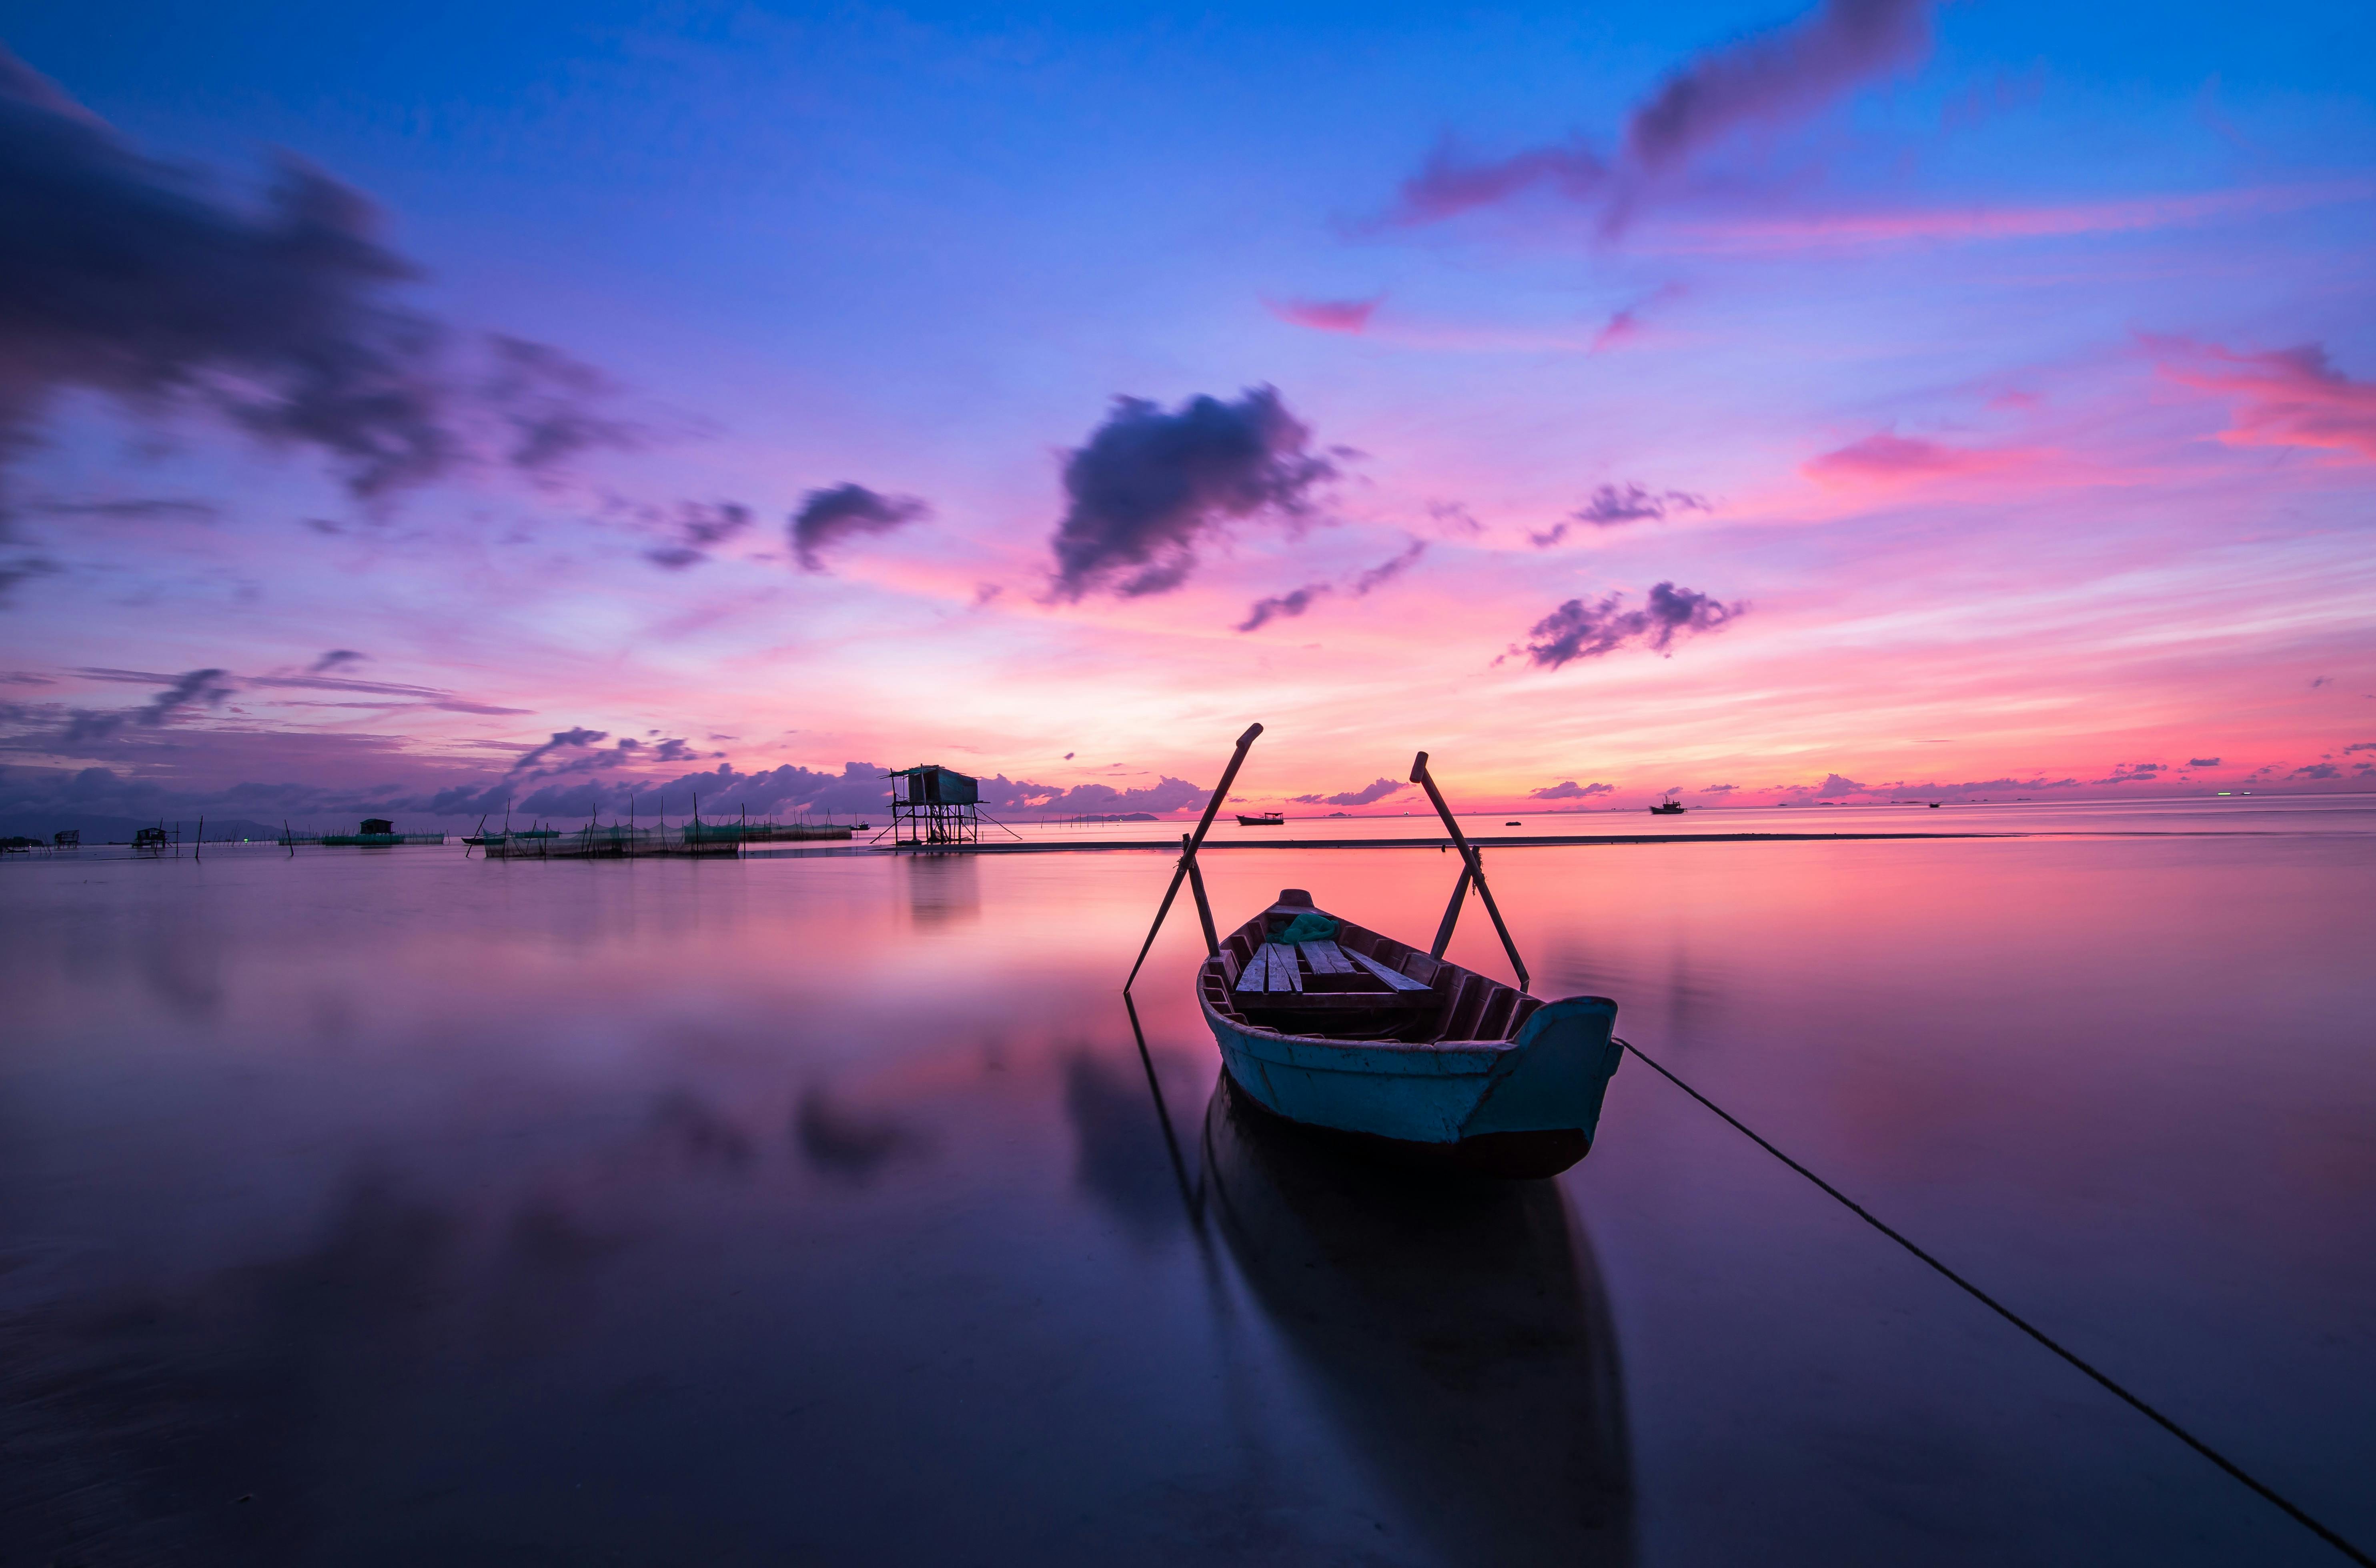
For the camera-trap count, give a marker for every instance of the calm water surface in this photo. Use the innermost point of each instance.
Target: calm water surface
(394, 1208)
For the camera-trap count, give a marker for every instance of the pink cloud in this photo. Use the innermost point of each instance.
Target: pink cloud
(1886, 459)
(2281, 398)
(1863, 230)
(1623, 327)
(1326, 316)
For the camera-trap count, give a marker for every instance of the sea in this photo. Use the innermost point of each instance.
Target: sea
(832, 1205)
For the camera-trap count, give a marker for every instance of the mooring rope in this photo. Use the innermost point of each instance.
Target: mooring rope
(2292, 1511)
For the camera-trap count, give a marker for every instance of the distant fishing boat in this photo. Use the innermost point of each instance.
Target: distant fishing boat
(1668, 807)
(1262, 819)
(1332, 1025)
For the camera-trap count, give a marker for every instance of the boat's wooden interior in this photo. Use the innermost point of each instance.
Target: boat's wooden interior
(1360, 986)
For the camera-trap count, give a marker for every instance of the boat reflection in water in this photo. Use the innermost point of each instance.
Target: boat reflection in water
(1456, 1324)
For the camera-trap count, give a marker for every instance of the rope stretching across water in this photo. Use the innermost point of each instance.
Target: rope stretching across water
(2295, 1513)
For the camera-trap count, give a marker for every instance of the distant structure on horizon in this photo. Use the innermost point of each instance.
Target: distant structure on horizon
(932, 804)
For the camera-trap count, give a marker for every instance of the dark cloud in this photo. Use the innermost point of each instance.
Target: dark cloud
(24, 568)
(1783, 73)
(2127, 773)
(1279, 606)
(1775, 75)
(2355, 746)
(1388, 571)
(1718, 789)
(148, 509)
(550, 403)
(1450, 184)
(698, 526)
(2316, 770)
(338, 658)
(1577, 630)
(130, 277)
(1569, 790)
(1378, 791)
(1611, 507)
(191, 689)
(406, 696)
(1165, 794)
(1149, 487)
(2203, 762)
(828, 517)
(563, 740)
(1836, 785)
(1452, 520)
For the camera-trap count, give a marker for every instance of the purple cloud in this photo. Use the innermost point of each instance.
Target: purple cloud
(1783, 73)
(1378, 791)
(1281, 606)
(830, 517)
(1611, 507)
(1149, 487)
(1577, 630)
(191, 689)
(562, 740)
(1569, 790)
(1296, 601)
(126, 276)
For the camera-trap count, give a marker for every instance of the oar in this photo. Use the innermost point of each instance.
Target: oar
(1188, 860)
(1475, 872)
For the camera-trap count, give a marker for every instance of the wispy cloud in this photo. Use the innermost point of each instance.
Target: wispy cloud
(1326, 316)
(1782, 74)
(2280, 397)
(1885, 459)
(1362, 584)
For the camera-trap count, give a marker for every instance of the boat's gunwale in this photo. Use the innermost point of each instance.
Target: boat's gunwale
(1447, 974)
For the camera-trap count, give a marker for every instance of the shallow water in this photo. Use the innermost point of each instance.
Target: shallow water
(388, 1206)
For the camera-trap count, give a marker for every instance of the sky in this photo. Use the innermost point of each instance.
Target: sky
(439, 408)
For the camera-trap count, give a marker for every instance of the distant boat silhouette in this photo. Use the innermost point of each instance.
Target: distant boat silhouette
(1262, 819)
(1670, 807)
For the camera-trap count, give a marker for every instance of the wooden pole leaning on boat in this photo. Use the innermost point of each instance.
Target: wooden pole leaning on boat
(1187, 867)
(1473, 870)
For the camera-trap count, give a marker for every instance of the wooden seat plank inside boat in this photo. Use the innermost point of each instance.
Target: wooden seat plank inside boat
(1395, 979)
(1326, 959)
(1356, 986)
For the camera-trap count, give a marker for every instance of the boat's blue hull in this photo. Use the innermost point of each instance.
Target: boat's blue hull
(1512, 1106)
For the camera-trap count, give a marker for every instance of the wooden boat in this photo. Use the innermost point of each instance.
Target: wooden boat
(1667, 808)
(1335, 1026)
(1351, 1032)
(1262, 819)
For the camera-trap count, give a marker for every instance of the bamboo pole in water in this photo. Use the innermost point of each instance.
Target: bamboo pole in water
(1475, 872)
(1188, 860)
